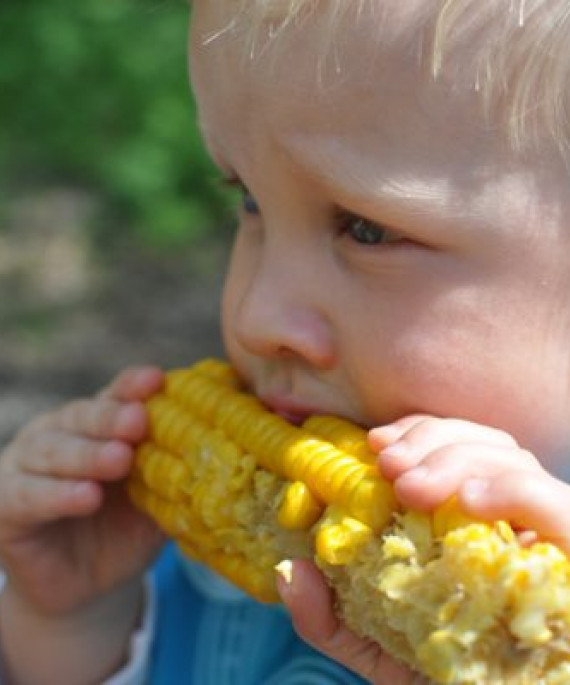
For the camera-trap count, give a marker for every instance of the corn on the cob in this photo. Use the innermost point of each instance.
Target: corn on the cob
(241, 490)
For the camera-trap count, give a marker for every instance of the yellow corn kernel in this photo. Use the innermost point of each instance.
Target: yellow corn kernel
(237, 570)
(174, 519)
(170, 428)
(339, 537)
(300, 509)
(241, 489)
(529, 625)
(219, 370)
(342, 434)
(338, 544)
(449, 516)
(162, 471)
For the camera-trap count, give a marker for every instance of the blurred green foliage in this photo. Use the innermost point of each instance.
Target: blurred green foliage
(95, 94)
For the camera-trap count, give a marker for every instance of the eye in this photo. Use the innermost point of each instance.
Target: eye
(366, 232)
(248, 202)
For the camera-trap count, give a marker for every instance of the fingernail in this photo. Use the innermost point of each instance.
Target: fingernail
(285, 580)
(114, 450)
(384, 435)
(84, 490)
(127, 417)
(474, 489)
(396, 450)
(285, 570)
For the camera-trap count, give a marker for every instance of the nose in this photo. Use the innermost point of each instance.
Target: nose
(283, 313)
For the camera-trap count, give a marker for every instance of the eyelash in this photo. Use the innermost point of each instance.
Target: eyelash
(371, 233)
(248, 203)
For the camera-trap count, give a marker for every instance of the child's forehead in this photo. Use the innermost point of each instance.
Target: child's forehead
(361, 114)
(322, 57)
(513, 55)
(354, 54)
(314, 80)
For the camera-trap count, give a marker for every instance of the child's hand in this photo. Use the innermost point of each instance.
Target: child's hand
(429, 459)
(310, 601)
(68, 533)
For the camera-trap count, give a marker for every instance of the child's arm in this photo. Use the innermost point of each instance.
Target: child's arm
(71, 544)
(430, 459)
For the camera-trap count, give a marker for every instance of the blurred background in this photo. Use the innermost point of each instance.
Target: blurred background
(114, 226)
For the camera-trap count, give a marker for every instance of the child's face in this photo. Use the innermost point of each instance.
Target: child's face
(393, 256)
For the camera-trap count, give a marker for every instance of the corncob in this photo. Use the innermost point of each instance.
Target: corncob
(241, 489)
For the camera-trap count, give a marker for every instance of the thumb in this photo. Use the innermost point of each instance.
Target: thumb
(309, 599)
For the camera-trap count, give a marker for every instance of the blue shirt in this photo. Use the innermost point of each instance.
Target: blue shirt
(227, 638)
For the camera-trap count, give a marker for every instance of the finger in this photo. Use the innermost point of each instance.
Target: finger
(101, 419)
(33, 500)
(382, 436)
(60, 455)
(441, 473)
(135, 384)
(309, 600)
(432, 433)
(532, 500)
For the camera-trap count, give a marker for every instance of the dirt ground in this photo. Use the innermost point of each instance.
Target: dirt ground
(70, 320)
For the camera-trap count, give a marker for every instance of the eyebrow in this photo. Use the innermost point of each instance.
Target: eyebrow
(395, 195)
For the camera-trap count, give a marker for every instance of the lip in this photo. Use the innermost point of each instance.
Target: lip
(287, 409)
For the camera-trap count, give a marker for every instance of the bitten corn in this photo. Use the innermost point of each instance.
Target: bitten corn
(242, 490)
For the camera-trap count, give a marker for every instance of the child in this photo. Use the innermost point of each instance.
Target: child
(402, 259)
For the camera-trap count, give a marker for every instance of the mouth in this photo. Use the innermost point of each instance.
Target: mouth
(292, 412)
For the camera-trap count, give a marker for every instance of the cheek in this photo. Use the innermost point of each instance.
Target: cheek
(438, 376)
(230, 298)
(463, 374)
(231, 294)
(431, 364)
(242, 264)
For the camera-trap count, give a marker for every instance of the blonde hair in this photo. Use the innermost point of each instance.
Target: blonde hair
(521, 62)
(519, 52)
